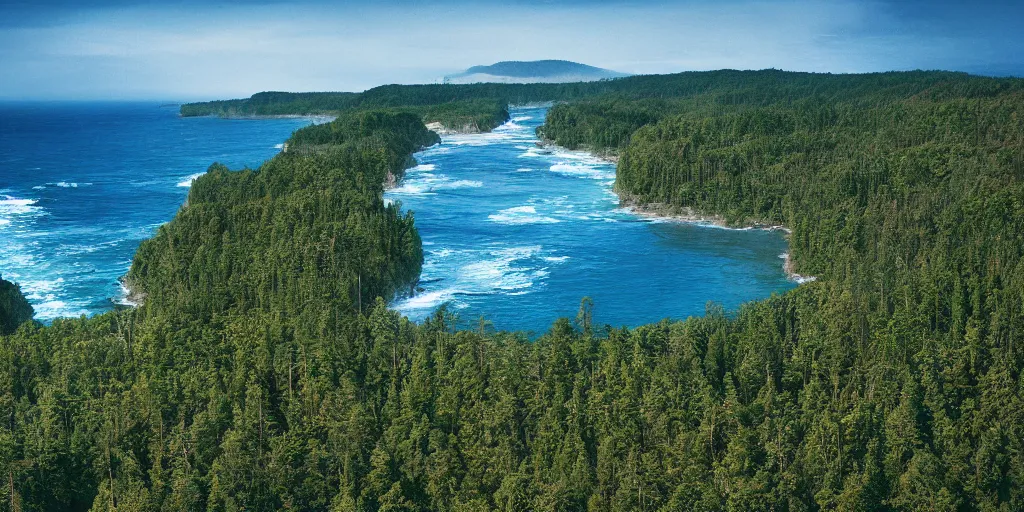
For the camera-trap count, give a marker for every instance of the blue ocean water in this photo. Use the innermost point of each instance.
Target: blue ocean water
(81, 184)
(512, 232)
(519, 234)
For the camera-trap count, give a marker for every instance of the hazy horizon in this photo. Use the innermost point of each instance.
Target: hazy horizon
(186, 50)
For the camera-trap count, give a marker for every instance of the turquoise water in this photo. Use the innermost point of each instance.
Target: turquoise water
(512, 232)
(519, 234)
(81, 184)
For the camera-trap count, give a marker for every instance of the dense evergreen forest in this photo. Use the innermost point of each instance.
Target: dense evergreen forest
(14, 309)
(264, 370)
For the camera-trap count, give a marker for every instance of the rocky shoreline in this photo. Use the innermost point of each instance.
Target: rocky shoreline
(663, 211)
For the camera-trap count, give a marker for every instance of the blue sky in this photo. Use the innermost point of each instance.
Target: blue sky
(184, 49)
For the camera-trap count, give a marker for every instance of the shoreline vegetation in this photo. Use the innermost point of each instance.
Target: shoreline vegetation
(662, 211)
(265, 371)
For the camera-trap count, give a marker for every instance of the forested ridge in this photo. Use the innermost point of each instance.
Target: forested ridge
(259, 374)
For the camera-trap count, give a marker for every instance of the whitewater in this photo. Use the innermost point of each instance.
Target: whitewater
(512, 232)
(519, 233)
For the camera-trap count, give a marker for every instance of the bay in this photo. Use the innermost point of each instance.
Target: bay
(82, 184)
(513, 232)
(518, 234)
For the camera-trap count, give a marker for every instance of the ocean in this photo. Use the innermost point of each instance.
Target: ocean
(82, 184)
(513, 233)
(519, 234)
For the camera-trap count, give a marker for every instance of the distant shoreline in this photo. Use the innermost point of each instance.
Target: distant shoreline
(316, 118)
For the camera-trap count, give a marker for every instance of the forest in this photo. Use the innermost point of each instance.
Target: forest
(264, 370)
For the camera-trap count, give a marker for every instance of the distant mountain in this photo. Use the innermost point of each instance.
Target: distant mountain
(537, 71)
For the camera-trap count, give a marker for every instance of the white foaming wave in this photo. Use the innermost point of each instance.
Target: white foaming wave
(556, 259)
(422, 168)
(444, 252)
(508, 132)
(77, 249)
(12, 207)
(536, 152)
(65, 184)
(279, 146)
(583, 171)
(4, 222)
(501, 273)
(524, 169)
(482, 139)
(187, 182)
(428, 301)
(15, 202)
(425, 183)
(123, 299)
(438, 149)
(53, 309)
(797, 278)
(521, 118)
(476, 272)
(44, 293)
(409, 188)
(459, 184)
(521, 215)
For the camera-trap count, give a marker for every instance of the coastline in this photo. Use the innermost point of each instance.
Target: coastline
(609, 156)
(661, 211)
(315, 118)
(666, 212)
(131, 296)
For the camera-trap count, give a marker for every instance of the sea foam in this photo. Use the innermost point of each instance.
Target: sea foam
(521, 215)
(187, 182)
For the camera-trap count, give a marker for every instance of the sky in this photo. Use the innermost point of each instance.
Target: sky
(182, 50)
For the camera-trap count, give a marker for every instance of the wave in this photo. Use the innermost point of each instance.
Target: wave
(536, 152)
(65, 184)
(460, 184)
(476, 273)
(501, 273)
(187, 182)
(79, 249)
(411, 189)
(424, 183)
(517, 119)
(438, 149)
(14, 201)
(279, 146)
(11, 207)
(422, 168)
(521, 215)
(429, 301)
(583, 171)
(43, 294)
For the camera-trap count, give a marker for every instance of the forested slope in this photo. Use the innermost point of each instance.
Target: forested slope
(14, 309)
(249, 381)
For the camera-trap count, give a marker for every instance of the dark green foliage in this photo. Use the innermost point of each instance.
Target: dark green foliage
(14, 309)
(249, 380)
(307, 233)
